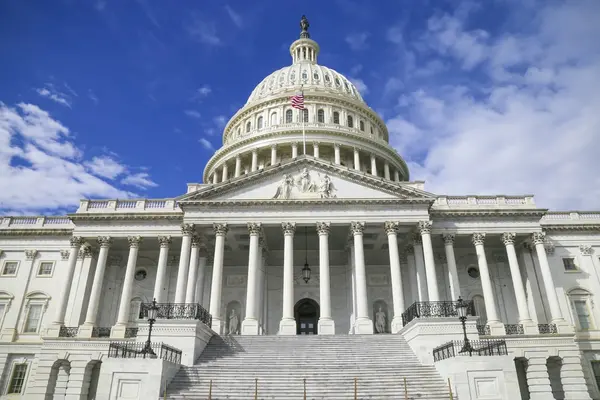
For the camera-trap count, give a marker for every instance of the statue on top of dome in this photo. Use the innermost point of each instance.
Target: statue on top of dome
(304, 26)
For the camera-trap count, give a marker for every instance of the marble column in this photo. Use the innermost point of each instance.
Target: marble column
(420, 268)
(363, 323)
(201, 278)
(538, 239)
(386, 170)
(63, 299)
(336, 154)
(413, 285)
(238, 166)
(538, 380)
(86, 330)
(262, 262)
(326, 325)
(254, 165)
(432, 284)
(350, 249)
(315, 150)
(452, 271)
(396, 176)
(294, 150)
(215, 177)
(218, 324)
(273, 154)
(373, 165)
(287, 326)
(190, 291)
(118, 331)
(161, 270)
(524, 318)
(496, 327)
(187, 230)
(250, 322)
(356, 159)
(391, 229)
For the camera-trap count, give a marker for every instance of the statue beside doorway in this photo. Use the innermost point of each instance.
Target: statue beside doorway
(234, 323)
(380, 321)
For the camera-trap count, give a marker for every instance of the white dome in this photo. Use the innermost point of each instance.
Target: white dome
(312, 78)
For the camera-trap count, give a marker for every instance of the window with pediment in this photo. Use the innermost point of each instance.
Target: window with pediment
(581, 307)
(36, 304)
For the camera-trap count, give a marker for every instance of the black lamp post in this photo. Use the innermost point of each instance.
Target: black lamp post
(462, 308)
(152, 311)
(306, 270)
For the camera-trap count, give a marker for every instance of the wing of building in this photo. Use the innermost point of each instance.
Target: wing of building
(306, 222)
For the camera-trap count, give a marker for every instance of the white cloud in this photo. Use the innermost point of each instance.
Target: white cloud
(92, 96)
(201, 92)
(192, 114)
(235, 17)
(220, 121)
(106, 167)
(49, 91)
(206, 144)
(360, 85)
(41, 168)
(358, 41)
(140, 180)
(525, 123)
(202, 30)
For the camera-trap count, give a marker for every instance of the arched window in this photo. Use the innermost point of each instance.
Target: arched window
(321, 116)
(336, 117)
(305, 115)
(288, 117)
(350, 121)
(315, 76)
(362, 125)
(273, 119)
(248, 126)
(304, 75)
(259, 123)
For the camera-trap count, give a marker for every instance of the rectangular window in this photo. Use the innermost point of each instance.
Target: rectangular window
(45, 268)
(583, 314)
(33, 318)
(596, 370)
(569, 264)
(2, 311)
(10, 268)
(17, 380)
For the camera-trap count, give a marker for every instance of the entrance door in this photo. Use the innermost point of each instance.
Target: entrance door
(307, 316)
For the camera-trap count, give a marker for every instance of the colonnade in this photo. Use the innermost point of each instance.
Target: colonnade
(423, 277)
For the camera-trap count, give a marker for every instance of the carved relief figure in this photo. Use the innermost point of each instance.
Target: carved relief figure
(380, 321)
(304, 182)
(234, 322)
(326, 188)
(285, 188)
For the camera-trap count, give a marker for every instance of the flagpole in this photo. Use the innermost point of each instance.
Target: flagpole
(302, 116)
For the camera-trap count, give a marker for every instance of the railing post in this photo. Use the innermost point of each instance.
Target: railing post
(405, 390)
(450, 389)
(210, 390)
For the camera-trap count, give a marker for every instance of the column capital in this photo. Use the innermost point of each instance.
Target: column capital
(586, 249)
(424, 227)
(254, 228)
(391, 227)
(538, 237)
(417, 240)
(323, 228)
(448, 238)
(134, 241)
(273, 147)
(187, 229)
(315, 143)
(508, 238)
(220, 229)
(478, 238)
(64, 254)
(165, 241)
(197, 240)
(288, 228)
(357, 228)
(85, 251)
(336, 145)
(104, 241)
(76, 241)
(409, 249)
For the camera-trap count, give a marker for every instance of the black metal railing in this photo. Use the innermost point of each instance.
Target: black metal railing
(177, 311)
(457, 348)
(425, 309)
(68, 331)
(514, 329)
(138, 350)
(547, 328)
(131, 333)
(483, 330)
(100, 332)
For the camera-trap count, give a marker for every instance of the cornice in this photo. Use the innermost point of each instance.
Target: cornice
(487, 213)
(273, 202)
(127, 216)
(36, 232)
(572, 227)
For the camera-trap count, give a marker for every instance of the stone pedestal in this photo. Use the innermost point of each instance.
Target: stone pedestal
(396, 324)
(326, 326)
(363, 326)
(53, 330)
(85, 331)
(250, 327)
(218, 325)
(563, 326)
(118, 331)
(530, 328)
(496, 328)
(287, 327)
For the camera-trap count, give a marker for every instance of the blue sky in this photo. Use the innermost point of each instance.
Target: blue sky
(107, 98)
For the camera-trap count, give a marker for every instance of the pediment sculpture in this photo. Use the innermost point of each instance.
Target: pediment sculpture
(304, 186)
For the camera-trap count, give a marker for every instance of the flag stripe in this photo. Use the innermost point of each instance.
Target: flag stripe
(298, 101)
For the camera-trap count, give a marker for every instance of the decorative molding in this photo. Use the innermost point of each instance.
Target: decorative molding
(220, 229)
(115, 260)
(586, 250)
(188, 229)
(508, 238)
(424, 227)
(134, 241)
(254, 228)
(104, 241)
(236, 281)
(64, 254)
(357, 228)
(478, 239)
(448, 238)
(36, 232)
(119, 216)
(85, 251)
(391, 227)
(323, 228)
(378, 280)
(76, 241)
(30, 254)
(538, 237)
(288, 228)
(549, 248)
(165, 241)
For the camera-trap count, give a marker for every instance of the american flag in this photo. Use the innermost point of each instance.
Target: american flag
(298, 101)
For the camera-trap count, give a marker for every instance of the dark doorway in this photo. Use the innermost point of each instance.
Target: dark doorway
(306, 312)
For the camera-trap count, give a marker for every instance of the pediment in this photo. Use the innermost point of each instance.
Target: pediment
(306, 179)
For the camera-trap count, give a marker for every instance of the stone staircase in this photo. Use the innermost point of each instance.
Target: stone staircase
(278, 365)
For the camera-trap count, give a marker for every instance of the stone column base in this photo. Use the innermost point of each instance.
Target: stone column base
(363, 326)
(250, 327)
(8, 335)
(396, 324)
(85, 331)
(496, 328)
(217, 325)
(287, 327)
(326, 326)
(529, 327)
(53, 330)
(563, 326)
(118, 332)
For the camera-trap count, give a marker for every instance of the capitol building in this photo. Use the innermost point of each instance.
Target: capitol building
(305, 262)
